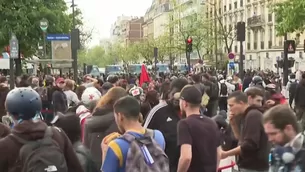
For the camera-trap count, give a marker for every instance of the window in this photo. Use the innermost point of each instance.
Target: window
(249, 36)
(269, 44)
(241, 3)
(255, 36)
(235, 49)
(262, 45)
(219, 11)
(248, 46)
(270, 33)
(230, 6)
(255, 45)
(224, 8)
(270, 17)
(262, 35)
(235, 5)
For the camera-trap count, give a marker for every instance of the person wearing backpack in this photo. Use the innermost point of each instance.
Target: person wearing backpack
(69, 122)
(292, 87)
(45, 93)
(225, 88)
(32, 146)
(138, 149)
(213, 93)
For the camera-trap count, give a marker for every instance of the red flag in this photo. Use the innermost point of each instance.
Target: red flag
(144, 77)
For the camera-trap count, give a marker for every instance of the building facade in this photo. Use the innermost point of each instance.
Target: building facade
(132, 31)
(117, 30)
(262, 46)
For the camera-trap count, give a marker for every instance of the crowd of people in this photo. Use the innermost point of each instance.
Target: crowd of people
(173, 123)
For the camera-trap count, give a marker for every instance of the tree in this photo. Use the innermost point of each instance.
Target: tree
(224, 33)
(163, 45)
(145, 51)
(290, 16)
(194, 25)
(22, 18)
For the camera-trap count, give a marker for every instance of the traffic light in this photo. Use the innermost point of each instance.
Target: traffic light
(189, 45)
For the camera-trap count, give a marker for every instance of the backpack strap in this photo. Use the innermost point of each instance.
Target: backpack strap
(149, 133)
(129, 137)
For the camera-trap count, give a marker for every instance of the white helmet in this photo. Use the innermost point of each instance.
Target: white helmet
(90, 94)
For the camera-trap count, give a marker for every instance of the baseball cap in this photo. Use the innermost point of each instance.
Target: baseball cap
(190, 94)
(59, 80)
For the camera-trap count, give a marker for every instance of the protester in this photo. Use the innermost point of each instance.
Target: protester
(194, 149)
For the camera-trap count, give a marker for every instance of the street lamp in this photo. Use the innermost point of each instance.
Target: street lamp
(44, 24)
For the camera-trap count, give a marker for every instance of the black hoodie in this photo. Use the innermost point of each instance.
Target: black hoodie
(98, 126)
(59, 100)
(253, 141)
(300, 94)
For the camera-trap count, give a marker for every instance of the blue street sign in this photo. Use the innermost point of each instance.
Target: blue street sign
(231, 65)
(58, 37)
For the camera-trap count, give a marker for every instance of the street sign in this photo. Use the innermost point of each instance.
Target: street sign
(44, 24)
(290, 46)
(58, 37)
(231, 56)
(14, 47)
(231, 65)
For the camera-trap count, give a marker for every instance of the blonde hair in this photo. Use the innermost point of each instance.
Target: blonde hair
(69, 84)
(111, 97)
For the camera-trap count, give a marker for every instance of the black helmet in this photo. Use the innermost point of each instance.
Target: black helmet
(23, 103)
(257, 80)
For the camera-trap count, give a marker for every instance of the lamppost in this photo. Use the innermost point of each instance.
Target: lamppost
(44, 24)
(74, 43)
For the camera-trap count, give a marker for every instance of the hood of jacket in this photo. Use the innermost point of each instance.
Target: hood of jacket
(102, 118)
(254, 107)
(30, 129)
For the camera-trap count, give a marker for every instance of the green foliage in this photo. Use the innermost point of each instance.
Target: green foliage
(94, 56)
(194, 25)
(289, 16)
(226, 34)
(23, 18)
(146, 48)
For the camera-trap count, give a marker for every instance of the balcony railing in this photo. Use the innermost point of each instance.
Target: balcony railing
(255, 21)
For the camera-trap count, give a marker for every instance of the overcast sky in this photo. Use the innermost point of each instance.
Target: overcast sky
(100, 14)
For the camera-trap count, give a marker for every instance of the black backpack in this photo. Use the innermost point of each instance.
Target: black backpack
(213, 91)
(42, 155)
(223, 89)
